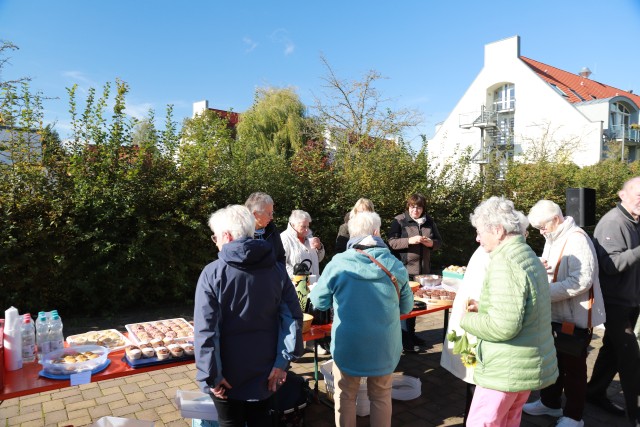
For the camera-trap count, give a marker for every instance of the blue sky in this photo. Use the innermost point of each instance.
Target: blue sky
(180, 52)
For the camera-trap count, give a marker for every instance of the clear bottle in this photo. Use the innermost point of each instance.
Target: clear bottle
(28, 339)
(56, 336)
(42, 335)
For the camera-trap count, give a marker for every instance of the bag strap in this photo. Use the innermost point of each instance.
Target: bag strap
(383, 268)
(555, 277)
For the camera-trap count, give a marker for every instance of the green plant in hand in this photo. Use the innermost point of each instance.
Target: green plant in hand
(462, 347)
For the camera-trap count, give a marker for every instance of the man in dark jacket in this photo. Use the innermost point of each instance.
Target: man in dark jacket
(617, 242)
(261, 206)
(247, 322)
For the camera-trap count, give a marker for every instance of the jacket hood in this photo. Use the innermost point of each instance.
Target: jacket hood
(361, 267)
(563, 229)
(247, 254)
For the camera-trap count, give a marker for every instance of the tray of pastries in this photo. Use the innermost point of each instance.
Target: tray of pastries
(163, 330)
(147, 354)
(109, 338)
(436, 296)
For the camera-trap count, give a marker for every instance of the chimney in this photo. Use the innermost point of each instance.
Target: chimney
(585, 72)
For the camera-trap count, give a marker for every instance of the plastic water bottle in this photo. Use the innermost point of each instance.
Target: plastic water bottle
(28, 339)
(56, 337)
(42, 335)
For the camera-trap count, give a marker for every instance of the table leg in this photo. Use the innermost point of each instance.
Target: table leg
(446, 324)
(315, 369)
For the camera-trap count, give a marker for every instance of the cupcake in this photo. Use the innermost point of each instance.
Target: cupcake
(148, 351)
(162, 353)
(188, 349)
(176, 350)
(167, 341)
(156, 342)
(133, 352)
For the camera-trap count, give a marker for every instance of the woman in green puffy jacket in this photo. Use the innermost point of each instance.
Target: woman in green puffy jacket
(512, 320)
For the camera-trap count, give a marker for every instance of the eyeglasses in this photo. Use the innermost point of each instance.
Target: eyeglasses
(416, 207)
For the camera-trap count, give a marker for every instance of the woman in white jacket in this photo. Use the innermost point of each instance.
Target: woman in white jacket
(577, 273)
(299, 243)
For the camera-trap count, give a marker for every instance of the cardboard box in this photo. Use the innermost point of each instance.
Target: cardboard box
(121, 422)
(196, 404)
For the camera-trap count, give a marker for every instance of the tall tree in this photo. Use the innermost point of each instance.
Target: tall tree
(355, 112)
(275, 123)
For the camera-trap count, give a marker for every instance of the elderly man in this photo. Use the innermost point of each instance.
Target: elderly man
(261, 206)
(247, 322)
(367, 304)
(617, 242)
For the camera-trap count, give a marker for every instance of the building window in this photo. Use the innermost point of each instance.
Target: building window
(557, 89)
(577, 94)
(504, 98)
(619, 119)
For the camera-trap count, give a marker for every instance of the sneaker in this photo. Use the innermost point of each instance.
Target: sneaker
(410, 349)
(323, 351)
(569, 422)
(538, 408)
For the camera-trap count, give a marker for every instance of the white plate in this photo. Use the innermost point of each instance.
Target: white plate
(109, 338)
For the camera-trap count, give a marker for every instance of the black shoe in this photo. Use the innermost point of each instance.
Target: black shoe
(606, 404)
(419, 341)
(410, 349)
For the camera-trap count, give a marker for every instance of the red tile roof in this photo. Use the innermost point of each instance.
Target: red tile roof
(588, 89)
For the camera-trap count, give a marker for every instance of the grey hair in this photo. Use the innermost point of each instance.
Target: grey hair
(257, 201)
(544, 211)
(235, 220)
(298, 216)
(364, 224)
(363, 204)
(497, 212)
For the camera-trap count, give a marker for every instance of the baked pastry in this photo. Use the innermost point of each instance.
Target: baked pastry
(162, 353)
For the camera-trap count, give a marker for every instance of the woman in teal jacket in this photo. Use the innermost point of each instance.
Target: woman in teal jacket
(512, 321)
(366, 319)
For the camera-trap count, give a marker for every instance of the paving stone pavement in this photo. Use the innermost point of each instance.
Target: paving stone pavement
(150, 396)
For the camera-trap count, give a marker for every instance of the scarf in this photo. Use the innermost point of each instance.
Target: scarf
(368, 241)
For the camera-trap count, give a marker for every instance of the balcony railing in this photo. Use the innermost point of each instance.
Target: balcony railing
(623, 132)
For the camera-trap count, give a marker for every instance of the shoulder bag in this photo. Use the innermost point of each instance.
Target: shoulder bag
(569, 339)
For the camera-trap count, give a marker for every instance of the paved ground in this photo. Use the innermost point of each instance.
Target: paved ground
(149, 396)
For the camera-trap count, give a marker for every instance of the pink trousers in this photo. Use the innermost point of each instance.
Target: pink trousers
(492, 408)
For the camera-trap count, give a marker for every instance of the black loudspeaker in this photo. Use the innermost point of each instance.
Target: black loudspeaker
(581, 205)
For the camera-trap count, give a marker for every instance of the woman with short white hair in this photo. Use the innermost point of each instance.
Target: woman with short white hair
(570, 259)
(367, 304)
(299, 243)
(515, 351)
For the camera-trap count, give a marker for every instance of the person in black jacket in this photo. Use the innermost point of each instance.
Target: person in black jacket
(412, 236)
(247, 322)
(261, 206)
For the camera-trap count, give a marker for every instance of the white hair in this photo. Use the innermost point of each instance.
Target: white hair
(543, 212)
(497, 212)
(298, 216)
(364, 224)
(235, 220)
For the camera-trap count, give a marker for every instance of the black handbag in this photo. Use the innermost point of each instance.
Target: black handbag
(289, 402)
(567, 338)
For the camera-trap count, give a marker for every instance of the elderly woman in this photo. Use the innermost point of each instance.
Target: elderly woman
(299, 243)
(469, 289)
(412, 236)
(570, 258)
(362, 205)
(515, 351)
(261, 206)
(366, 324)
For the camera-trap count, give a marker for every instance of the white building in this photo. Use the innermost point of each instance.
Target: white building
(517, 104)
